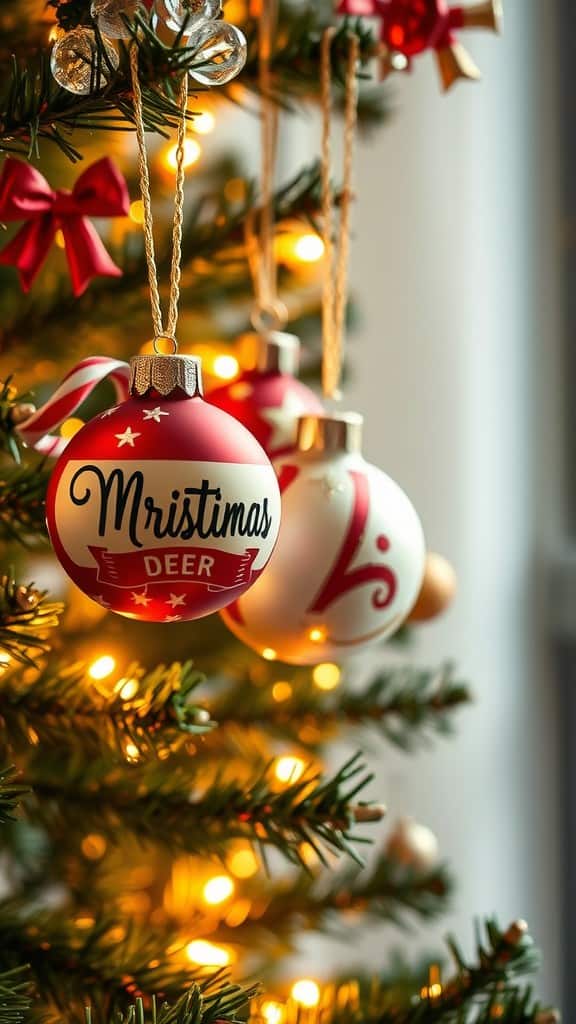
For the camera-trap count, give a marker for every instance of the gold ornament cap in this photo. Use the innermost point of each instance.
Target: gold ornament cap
(166, 375)
(330, 432)
(277, 352)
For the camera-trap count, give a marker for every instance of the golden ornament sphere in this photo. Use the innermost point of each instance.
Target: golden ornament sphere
(437, 591)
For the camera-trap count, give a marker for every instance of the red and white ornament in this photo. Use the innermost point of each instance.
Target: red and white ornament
(163, 508)
(269, 399)
(350, 556)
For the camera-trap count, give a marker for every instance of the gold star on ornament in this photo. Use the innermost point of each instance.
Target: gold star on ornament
(154, 414)
(141, 599)
(177, 600)
(128, 437)
(173, 618)
(282, 419)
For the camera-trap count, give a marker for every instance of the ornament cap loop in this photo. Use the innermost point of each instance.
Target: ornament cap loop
(277, 352)
(166, 375)
(330, 432)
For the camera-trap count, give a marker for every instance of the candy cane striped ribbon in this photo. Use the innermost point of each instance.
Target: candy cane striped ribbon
(77, 385)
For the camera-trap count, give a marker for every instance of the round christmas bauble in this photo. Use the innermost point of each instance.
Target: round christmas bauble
(413, 845)
(437, 590)
(269, 399)
(178, 14)
(221, 52)
(109, 15)
(163, 508)
(74, 62)
(349, 559)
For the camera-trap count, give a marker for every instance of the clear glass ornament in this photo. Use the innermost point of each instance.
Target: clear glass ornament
(221, 51)
(177, 14)
(108, 16)
(73, 62)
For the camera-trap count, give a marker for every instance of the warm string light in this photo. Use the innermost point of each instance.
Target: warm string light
(192, 154)
(433, 990)
(306, 993)
(102, 667)
(243, 863)
(289, 769)
(207, 954)
(281, 692)
(218, 889)
(326, 676)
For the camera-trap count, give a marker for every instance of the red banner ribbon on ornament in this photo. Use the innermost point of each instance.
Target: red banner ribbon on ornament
(25, 194)
(77, 385)
(215, 569)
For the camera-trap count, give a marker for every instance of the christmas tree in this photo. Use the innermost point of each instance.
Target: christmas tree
(169, 831)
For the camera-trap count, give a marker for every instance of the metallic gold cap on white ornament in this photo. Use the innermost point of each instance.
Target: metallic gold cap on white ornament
(277, 352)
(166, 374)
(330, 432)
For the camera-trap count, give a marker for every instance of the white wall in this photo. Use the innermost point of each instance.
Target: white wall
(455, 269)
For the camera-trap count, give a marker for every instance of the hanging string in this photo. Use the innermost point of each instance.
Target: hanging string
(269, 312)
(161, 332)
(337, 254)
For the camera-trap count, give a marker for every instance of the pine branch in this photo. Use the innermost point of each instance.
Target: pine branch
(11, 794)
(26, 615)
(404, 704)
(15, 998)
(106, 963)
(22, 497)
(183, 812)
(152, 712)
(480, 990)
(13, 408)
(385, 893)
(34, 109)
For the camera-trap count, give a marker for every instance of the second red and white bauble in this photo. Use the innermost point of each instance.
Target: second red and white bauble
(163, 508)
(350, 556)
(269, 399)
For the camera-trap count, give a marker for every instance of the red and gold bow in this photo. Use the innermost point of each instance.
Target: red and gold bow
(408, 27)
(26, 195)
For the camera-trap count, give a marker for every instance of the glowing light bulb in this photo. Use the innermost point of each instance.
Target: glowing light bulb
(281, 691)
(132, 753)
(272, 1012)
(306, 992)
(94, 846)
(102, 667)
(326, 676)
(192, 153)
(204, 123)
(218, 889)
(289, 769)
(269, 654)
(71, 427)
(243, 863)
(309, 248)
(127, 688)
(206, 954)
(137, 211)
(317, 635)
(226, 367)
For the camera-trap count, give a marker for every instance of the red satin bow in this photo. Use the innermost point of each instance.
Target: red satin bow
(26, 195)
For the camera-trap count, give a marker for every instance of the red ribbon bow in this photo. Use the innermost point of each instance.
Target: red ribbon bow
(26, 195)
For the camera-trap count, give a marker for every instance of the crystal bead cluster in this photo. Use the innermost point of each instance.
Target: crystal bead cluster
(219, 49)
